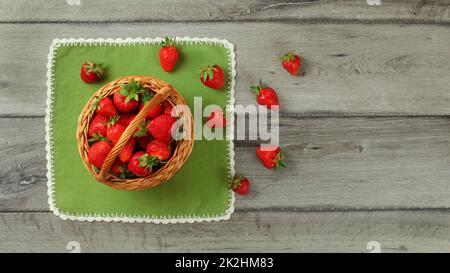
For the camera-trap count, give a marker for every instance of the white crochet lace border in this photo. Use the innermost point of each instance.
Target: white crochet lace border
(137, 218)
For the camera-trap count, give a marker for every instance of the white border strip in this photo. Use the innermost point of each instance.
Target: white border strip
(133, 218)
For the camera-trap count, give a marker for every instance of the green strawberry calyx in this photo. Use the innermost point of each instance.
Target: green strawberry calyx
(168, 42)
(91, 67)
(235, 181)
(147, 161)
(142, 130)
(207, 72)
(112, 120)
(280, 160)
(132, 90)
(98, 137)
(288, 56)
(146, 96)
(96, 104)
(256, 89)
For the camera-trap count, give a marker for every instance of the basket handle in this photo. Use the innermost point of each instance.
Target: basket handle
(164, 92)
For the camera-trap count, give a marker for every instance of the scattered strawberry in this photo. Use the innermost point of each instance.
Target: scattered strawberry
(127, 151)
(119, 169)
(155, 111)
(271, 157)
(161, 127)
(168, 54)
(91, 72)
(105, 107)
(266, 96)
(97, 153)
(98, 126)
(212, 76)
(291, 63)
(127, 98)
(240, 185)
(126, 119)
(141, 164)
(216, 119)
(159, 149)
(114, 132)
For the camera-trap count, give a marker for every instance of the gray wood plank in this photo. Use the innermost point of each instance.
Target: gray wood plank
(333, 164)
(206, 10)
(380, 69)
(396, 231)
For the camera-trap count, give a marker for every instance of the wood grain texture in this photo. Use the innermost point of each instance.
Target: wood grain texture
(350, 69)
(333, 164)
(396, 231)
(234, 10)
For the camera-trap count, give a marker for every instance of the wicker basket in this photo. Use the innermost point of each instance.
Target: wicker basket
(163, 91)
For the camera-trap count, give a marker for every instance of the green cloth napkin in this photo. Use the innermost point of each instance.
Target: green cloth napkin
(197, 192)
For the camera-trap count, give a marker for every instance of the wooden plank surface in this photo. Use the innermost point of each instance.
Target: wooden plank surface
(235, 10)
(396, 231)
(333, 164)
(350, 69)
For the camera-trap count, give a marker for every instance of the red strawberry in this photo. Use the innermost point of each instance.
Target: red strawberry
(127, 98)
(98, 126)
(159, 149)
(155, 111)
(119, 169)
(105, 107)
(168, 54)
(266, 96)
(114, 132)
(127, 150)
(97, 153)
(91, 72)
(143, 141)
(141, 164)
(271, 157)
(291, 63)
(161, 127)
(216, 119)
(167, 108)
(212, 76)
(126, 119)
(240, 185)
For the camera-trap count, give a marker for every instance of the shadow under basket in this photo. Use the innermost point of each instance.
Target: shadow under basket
(182, 150)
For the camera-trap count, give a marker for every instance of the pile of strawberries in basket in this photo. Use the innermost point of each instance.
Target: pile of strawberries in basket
(149, 147)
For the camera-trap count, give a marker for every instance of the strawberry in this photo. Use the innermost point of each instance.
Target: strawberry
(161, 127)
(114, 132)
(266, 96)
(212, 76)
(127, 98)
(119, 169)
(105, 107)
(97, 153)
(216, 119)
(159, 149)
(167, 108)
(240, 185)
(291, 63)
(91, 72)
(271, 157)
(126, 119)
(168, 54)
(155, 111)
(141, 164)
(127, 151)
(98, 126)
(143, 141)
